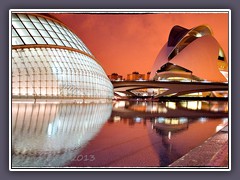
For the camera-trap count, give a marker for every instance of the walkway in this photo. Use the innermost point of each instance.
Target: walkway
(213, 152)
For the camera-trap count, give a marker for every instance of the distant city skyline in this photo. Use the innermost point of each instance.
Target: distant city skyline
(124, 43)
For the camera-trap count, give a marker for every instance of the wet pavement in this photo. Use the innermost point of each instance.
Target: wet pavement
(214, 152)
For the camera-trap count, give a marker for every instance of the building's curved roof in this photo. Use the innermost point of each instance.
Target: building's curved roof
(50, 61)
(176, 34)
(32, 29)
(180, 37)
(194, 49)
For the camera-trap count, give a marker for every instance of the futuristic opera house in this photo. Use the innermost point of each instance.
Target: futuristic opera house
(51, 62)
(191, 55)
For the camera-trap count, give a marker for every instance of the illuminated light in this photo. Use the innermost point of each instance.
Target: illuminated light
(154, 108)
(219, 127)
(172, 94)
(36, 102)
(171, 105)
(116, 118)
(22, 102)
(205, 81)
(194, 105)
(179, 79)
(120, 94)
(184, 104)
(199, 104)
(159, 79)
(225, 74)
(160, 120)
(225, 120)
(169, 135)
(167, 121)
(120, 104)
(183, 120)
(137, 119)
(198, 35)
(203, 120)
(223, 125)
(162, 110)
(174, 121)
(50, 130)
(165, 110)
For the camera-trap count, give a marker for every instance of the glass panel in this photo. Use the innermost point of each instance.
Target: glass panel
(61, 36)
(50, 22)
(17, 24)
(14, 17)
(68, 38)
(66, 43)
(28, 24)
(73, 45)
(23, 17)
(58, 42)
(53, 34)
(44, 33)
(28, 40)
(14, 33)
(23, 32)
(33, 18)
(16, 41)
(50, 41)
(39, 40)
(34, 32)
(47, 27)
(38, 25)
(55, 29)
(62, 30)
(42, 20)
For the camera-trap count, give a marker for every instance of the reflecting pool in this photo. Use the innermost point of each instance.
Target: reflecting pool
(118, 134)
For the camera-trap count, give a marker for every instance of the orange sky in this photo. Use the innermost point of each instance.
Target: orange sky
(124, 43)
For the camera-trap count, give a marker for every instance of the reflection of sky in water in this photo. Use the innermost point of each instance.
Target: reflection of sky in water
(138, 134)
(52, 134)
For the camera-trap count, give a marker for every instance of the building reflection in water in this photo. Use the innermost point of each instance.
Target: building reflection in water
(137, 111)
(163, 107)
(169, 119)
(166, 128)
(50, 135)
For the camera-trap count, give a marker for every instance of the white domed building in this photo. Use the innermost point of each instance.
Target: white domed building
(191, 55)
(50, 62)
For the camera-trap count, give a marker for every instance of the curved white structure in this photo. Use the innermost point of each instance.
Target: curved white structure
(50, 61)
(192, 54)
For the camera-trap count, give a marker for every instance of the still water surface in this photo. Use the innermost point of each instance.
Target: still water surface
(122, 134)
